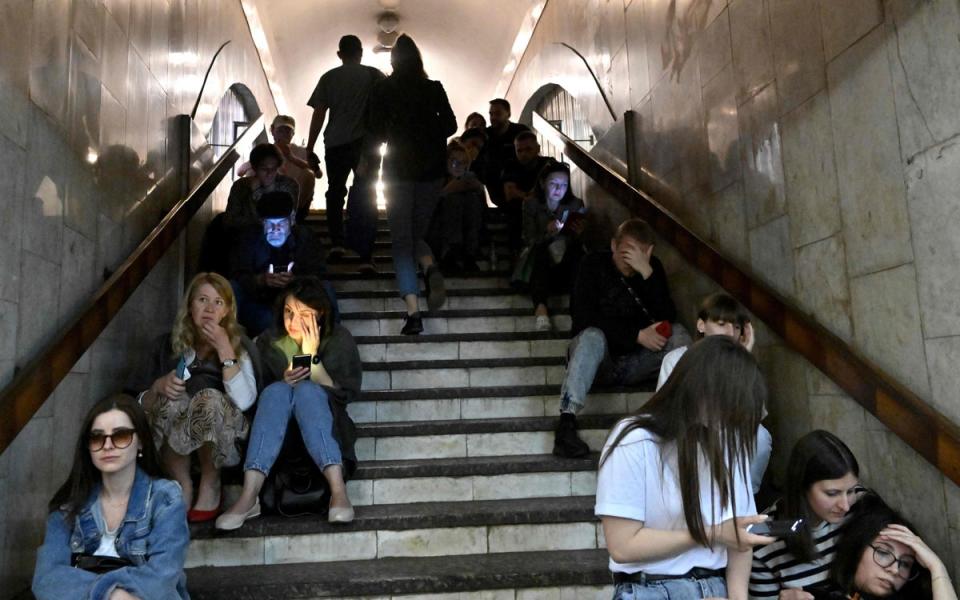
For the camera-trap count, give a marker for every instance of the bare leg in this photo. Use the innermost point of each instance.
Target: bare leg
(540, 310)
(411, 302)
(208, 494)
(179, 466)
(338, 489)
(252, 484)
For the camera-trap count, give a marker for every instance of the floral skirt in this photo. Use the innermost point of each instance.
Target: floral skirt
(209, 417)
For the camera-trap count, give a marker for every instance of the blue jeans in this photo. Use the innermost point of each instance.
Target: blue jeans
(672, 589)
(589, 362)
(409, 209)
(308, 403)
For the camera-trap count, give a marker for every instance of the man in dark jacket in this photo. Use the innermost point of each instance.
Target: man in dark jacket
(264, 262)
(623, 322)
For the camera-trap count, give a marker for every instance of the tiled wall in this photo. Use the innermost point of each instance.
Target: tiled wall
(815, 142)
(87, 88)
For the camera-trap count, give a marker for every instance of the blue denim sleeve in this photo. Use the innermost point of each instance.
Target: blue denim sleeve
(54, 578)
(167, 543)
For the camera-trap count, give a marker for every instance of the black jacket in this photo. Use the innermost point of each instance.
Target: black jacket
(252, 255)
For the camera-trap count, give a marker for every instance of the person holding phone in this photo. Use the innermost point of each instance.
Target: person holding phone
(879, 555)
(316, 396)
(117, 528)
(553, 221)
(196, 382)
(673, 487)
(822, 484)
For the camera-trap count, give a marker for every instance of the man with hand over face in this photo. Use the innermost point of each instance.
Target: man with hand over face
(623, 317)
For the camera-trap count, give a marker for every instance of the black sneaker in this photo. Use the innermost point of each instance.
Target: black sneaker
(413, 325)
(566, 443)
(336, 253)
(436, 293)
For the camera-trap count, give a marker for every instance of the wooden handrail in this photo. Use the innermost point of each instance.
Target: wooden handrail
(24, 396)
(926, 430)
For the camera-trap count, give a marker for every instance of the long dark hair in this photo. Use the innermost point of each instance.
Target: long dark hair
(84, 476)
(817, 456)
(712, 402)
(310, 291)
(553, 166)
(406, 59)
(869, 517)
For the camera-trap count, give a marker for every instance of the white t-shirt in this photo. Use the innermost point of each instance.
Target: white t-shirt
(639, 481)
(670, 360)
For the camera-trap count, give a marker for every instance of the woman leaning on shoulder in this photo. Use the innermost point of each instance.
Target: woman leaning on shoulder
(199, 380)
(117, 529)
(673, 490)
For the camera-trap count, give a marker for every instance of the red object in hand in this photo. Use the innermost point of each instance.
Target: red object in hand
(664, 328)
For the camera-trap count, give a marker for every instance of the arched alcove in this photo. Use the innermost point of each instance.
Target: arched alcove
(237, 109)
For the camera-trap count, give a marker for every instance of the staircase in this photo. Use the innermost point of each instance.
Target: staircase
(457, 494)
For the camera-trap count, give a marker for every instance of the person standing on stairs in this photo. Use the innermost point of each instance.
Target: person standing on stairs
(316, 396)
(343, 91)
(673, 487)
(623, 325)
(412, 115)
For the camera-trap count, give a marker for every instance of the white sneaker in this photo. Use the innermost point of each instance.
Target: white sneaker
(543, 323)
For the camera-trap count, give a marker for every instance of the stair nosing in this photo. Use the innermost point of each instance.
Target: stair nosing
(450, 313)
(473, 426)
(497, 391)
(480, 336)
(472, 466)
(465, 363)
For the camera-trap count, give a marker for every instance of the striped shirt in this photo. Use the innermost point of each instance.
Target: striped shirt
(775, 568)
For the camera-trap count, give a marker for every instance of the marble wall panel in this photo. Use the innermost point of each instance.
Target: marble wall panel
(39, 302)
(78, 279)
(140, 26)
(943, 356)
(44, 189)
(618, 86)
(797, 51)
(810, 172)
(869, 169)
(113, 121)
(83, 105)
(637, 52)
(114, 58)
(88, 24)
(49, 56)
(730, 223)
(845, 22)
(843, 417)
(159, 54)
(927, 83)
(11, 211)
(14, 71)
(788, 404)
(933, 179)
(886, 324)
(752, 52)
(762, 160)
(716, 51)
(822, 284)
(722, 129)
(771, 255)
(120, 9)
(8, 330)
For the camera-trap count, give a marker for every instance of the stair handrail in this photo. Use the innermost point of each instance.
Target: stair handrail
(34, 383)
(913, 420)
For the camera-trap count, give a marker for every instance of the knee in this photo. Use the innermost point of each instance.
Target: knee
(592, 338)
(308, 391)
(274, 395)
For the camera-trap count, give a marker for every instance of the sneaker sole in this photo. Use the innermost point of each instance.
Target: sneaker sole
(438, 293)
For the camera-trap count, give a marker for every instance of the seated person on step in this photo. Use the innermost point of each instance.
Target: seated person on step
(822, 483)
(721, 314)
(519, 178)
(553, 221)
(198, 380)
(622, 317)
(266, 260)
(117, 528)
(673, 492)
(459, 214)
(316, 396)
(245, 193)
(879, 555)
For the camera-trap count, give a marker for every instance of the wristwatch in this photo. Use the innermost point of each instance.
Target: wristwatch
(316, 359)
(230, 362)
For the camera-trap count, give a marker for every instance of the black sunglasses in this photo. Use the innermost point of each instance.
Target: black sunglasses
(120, 438)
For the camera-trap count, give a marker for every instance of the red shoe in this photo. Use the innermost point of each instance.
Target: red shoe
(202, 516)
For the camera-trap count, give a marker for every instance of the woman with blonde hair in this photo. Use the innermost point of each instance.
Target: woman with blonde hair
(197, 383)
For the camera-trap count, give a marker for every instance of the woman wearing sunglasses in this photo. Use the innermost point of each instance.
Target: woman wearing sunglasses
(822, 484)
(880, 556)
(117, 529)
(315, 394)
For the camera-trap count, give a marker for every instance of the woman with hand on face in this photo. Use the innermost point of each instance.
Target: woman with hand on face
(316, 396)
(822, 484)
(117, 529)
(673, 489)
(880, 556)
(199, 380)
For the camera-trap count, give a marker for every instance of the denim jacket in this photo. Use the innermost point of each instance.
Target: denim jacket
(153, 536)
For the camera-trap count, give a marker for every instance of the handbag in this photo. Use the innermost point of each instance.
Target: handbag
(523, 268)
(295, 486)
(98, 564)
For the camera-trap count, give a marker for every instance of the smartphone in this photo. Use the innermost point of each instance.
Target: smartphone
(302, 360)
(777, 529)
(664, 328)
(181, 368)
(278, 268)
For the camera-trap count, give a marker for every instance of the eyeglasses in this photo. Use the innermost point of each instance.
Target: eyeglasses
(120, 438)
(906, 566)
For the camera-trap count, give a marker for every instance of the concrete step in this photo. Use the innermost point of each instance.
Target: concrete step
(471, 479)
(506, 321)
(385, 281)
(472, 437)
(404, 530)
(386, 263)
(553, 575)
(485, 298)
(462, 373)
(398, 348)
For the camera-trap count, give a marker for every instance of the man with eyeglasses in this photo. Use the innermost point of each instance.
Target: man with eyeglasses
(266, 261)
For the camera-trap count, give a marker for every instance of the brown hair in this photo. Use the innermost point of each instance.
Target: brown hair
(635, 229)
(185, 334)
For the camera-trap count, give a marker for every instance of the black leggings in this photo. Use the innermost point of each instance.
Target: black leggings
(548, 277)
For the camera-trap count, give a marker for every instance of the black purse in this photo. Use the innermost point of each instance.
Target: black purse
(98, 564)
(295, 486)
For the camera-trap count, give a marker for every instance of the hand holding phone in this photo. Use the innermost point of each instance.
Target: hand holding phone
(779, 529)
(302, 361)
